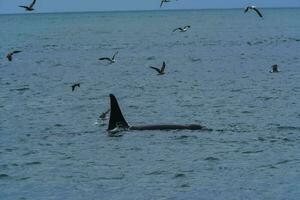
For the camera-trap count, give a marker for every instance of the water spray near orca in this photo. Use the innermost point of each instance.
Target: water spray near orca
(118, 123)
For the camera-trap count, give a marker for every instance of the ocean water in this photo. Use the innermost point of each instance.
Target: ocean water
(52, 145)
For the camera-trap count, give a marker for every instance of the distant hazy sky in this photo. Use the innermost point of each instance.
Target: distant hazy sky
(11, 6)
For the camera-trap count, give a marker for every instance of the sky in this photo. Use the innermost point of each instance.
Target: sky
(11, 6)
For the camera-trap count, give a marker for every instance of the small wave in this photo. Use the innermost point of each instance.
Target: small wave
(159, 172)
(29, 153)
(38, 62)
(50, 45)
(264, 98)
(5, 177)
(179, 175)
(275, 166)
(68, 177)
(246, 112)
(288, 128)
(135, 149)
(195, 59)
(151, 58)
(115, 134)
(287, 140)
(191, 105)
(211, 159)
(33, 163)
(285, 161)
(261, 139)
(183, 137)
(20, 89)
(294, 39)
(57, 65)
(15, 165)
(185, 185)
(23, 178)
(58, 125)
(10, 150)
(270, 166)
(112, 178)
(252, 152)
(236, 90)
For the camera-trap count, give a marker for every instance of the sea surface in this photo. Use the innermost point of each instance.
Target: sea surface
(52, 145)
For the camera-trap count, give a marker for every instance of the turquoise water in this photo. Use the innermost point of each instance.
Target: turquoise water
(53, 147)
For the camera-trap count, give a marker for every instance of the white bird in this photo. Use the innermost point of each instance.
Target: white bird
(111, 60)
(253, 8)
(103, 116)
(164, 1)
(184, 29)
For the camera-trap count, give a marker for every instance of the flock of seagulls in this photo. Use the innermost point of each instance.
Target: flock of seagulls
(111, 60)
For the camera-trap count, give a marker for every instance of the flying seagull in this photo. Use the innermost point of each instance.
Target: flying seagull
(184, 29)
(111, 60)
(9, 55)
(30, 7)
(103, 116)
(253, 8)
(164, 1)
(74, 86)
(160, 71)
(275, 69)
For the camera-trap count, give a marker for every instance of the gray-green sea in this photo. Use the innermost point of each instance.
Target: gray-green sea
(52, 145)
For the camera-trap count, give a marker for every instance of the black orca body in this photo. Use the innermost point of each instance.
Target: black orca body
(117, 121)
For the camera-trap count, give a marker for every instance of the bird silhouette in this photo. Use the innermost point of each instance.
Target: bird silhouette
(103, 116)
(253, 8)
(30, 7)
(9, 56)
(164, 1)
(184, 29)
(111, 60)
(74, 86)
(275, 69)
(160, 71)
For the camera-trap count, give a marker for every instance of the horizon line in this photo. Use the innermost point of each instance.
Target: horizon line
(147, 10)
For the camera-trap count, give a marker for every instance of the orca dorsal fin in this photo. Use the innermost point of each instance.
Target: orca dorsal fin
(116, 119)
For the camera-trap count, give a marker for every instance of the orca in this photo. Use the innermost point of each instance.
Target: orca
(118, 123)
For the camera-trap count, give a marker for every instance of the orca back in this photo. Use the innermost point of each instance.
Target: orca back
(116, 119)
